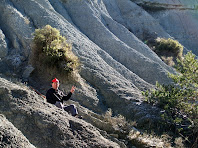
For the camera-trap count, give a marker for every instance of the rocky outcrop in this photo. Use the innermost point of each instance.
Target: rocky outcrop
(10, 136)
(105, 33)
(178, 18)
(3, 45)
(116, 64)
(112, 45)
(16, 28)
(43, 124)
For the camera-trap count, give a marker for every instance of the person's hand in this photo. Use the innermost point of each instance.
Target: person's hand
(72, 89)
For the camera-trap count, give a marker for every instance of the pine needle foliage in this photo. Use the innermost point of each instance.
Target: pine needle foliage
(53, 50)
(180, 100)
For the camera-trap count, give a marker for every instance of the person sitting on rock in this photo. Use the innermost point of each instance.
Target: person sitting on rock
(56, 97)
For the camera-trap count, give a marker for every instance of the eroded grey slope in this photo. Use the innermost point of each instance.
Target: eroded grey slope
(43, 124)
(10, 136)
(115, 67)
(178, 18)
(97, 26)
(106, 35)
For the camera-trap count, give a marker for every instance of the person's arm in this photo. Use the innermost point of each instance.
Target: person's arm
(49, 97)
(67, 97)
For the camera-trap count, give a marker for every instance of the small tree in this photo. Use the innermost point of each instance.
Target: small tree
(53, 50)
(180, 101)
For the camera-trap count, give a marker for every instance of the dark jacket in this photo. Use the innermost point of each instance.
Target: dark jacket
(53, 95)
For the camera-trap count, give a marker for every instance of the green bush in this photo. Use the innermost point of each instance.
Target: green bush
(180, 100)
(53, 50)
(169, 45)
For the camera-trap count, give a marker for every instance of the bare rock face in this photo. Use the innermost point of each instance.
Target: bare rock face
(10, 136)
(116, 65)
(108, 37)
(114, 39)
(44, 124)
(137, 20)
(3, 45)
(178, 18)
(16, 27)
(98, 26)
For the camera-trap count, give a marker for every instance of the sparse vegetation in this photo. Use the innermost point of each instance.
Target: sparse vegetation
(118, 122)
(169, 45)
(180, 100)
(125, 129)
(168, 60)
(53, 50)
(167, 49)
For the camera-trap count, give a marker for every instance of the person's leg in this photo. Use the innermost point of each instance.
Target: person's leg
(59, 104)
(72, 109)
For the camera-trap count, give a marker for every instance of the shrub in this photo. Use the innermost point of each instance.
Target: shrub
(180, 100)
(167, 49)
(168, 60)
(169, 45)
(53, 50)
(118, 122)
